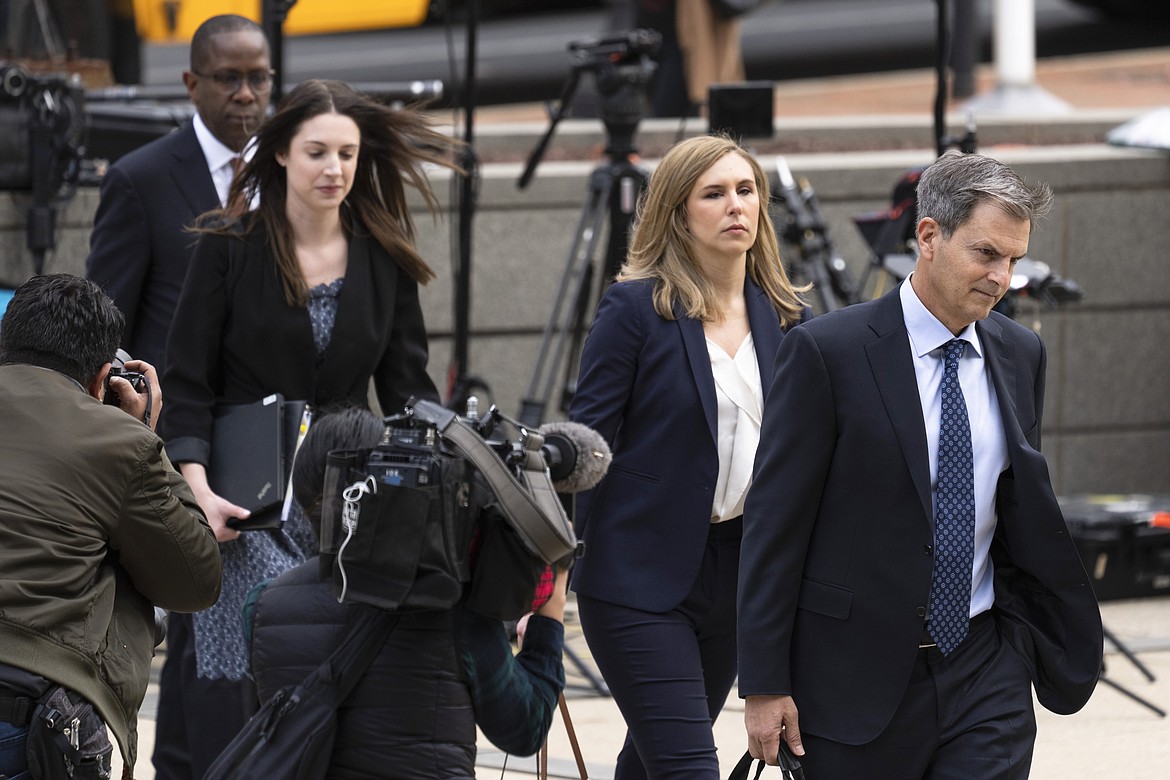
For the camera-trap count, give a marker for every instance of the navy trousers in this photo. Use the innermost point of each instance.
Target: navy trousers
(966, 716)
(670, 672)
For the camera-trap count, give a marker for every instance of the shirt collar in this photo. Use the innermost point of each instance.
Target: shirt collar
(926, 332)
(216, 153)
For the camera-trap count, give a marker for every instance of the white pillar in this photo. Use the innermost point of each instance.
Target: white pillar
(1014, 49)
(1014, 42)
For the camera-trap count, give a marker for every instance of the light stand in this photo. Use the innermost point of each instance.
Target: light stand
(459, 384)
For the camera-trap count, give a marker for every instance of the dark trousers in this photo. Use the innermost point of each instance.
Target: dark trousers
(966, 716)
(197, 717)
(670, 672)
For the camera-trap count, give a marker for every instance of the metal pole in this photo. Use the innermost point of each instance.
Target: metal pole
(459, 383)
(964, 41)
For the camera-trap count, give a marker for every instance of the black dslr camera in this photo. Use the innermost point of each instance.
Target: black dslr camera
(118, 368)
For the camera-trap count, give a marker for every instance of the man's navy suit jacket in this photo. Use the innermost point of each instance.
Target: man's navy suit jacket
(646, 386)
(836, 563)
(139, 248)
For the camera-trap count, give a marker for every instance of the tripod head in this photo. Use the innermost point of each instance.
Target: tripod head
(622, 65)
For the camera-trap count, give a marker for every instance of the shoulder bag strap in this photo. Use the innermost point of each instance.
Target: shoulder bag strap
(542, 763)
(367, 629)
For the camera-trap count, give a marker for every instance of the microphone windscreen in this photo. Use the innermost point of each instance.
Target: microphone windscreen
(592, 455)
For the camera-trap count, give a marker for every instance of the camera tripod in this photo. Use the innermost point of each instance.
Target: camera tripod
(1133, 659)
(622, 65)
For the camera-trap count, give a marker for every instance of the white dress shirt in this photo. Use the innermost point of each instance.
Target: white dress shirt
(739, 397)
(988, 441)
(219, 159)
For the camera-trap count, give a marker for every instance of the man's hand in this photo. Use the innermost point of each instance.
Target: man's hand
(133, 402)
(768, 718)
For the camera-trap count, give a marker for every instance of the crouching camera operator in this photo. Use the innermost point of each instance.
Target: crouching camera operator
(96, 527)
(442, 672)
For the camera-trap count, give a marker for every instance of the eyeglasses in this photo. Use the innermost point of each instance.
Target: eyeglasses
(229, 81)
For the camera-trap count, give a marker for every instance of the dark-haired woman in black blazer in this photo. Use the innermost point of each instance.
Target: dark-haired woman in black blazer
(312, 293)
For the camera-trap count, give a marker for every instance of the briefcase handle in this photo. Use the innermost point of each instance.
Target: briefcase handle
(790, 768)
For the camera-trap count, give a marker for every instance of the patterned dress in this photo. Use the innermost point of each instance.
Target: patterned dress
(220, 648)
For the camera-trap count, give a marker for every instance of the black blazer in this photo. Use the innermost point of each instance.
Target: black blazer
(836, 569)
(646, 386)
(236, 340)
(139, 250)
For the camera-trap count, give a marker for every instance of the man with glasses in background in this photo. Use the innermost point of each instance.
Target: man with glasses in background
(139, 251)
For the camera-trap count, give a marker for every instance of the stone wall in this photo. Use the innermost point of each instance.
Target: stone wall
(1107, 422)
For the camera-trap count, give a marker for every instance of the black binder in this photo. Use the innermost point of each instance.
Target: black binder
(252, 447)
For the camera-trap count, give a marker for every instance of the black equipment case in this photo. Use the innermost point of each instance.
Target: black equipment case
(1124, 541)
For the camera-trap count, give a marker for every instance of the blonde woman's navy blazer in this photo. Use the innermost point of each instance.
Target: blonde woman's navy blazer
(646, 386)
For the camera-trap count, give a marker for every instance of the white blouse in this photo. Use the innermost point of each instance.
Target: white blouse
(740, 400)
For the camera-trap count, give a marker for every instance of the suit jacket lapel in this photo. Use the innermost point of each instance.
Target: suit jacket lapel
(353, 304)
(765, 325)
(699, 360)
(190, 174)
(999, 353)
(893, 371)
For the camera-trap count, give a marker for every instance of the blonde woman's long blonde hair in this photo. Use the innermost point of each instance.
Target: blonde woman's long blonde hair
(661, 247)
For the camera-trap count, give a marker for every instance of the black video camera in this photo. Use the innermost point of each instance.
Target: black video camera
(628, 48)
(118, 368)
(42, 129)
(437, 514)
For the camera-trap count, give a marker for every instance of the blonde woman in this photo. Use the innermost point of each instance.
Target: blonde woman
(673, 375)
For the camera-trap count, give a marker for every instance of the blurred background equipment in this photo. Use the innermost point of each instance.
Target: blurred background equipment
(622, 65)
(42, 143)
(744, 110)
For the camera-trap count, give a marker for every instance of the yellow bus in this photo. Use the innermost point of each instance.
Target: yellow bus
(174, 21)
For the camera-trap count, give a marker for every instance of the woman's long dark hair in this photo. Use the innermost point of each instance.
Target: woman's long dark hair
(395, 145)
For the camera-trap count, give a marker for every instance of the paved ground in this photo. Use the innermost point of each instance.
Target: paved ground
(1114, 736)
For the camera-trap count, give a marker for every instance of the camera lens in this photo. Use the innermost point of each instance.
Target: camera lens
(13, 80)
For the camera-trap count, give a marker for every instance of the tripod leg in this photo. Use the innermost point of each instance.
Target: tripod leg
(576, 270)
(1126, 692)
(623, 183)
(595, 682)
(1129, 654)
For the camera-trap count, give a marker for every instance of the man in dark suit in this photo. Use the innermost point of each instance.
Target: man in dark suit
(139, 248)
(139, 251)
(907, 576)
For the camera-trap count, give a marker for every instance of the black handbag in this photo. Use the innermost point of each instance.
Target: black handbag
(291, 737)
(790, 768)
(730, 9)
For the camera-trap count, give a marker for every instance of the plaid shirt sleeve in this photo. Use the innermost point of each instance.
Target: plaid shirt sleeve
(514, 696)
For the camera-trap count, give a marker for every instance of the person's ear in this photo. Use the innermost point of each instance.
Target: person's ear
(928, 234)
(190, 79)
(97, 387)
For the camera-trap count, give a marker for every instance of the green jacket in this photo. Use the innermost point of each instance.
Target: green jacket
(96, 526)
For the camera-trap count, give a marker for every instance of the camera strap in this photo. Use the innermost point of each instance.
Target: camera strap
(530, 503)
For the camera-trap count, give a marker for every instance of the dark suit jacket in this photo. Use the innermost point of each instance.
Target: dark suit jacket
(835, 572)
(646, 386)
(236, 340)
(138, 249)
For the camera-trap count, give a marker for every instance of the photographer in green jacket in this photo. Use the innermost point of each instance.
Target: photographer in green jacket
(96, 529)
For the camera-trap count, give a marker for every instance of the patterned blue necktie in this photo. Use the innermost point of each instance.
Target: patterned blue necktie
(954, 513)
